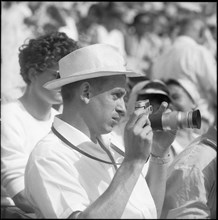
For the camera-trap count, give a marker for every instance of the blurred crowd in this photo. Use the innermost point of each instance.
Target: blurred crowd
(140, 30)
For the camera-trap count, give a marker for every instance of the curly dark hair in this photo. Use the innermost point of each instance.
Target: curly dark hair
(43, 52)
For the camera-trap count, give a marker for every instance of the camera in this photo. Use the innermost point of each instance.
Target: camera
(172, 120)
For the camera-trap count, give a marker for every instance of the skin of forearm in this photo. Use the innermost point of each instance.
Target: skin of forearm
(157, 183)
(112, 202)
(22, 203)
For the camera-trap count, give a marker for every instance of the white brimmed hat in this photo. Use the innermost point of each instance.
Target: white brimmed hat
(92, 61)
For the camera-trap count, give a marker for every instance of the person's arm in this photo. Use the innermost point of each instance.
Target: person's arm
(22, 203)
(112, 202)
(138, 139)
(156, 179)
(13, 159)
(157, 172)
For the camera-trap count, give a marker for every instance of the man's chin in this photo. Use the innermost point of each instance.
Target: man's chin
(108, 129)
(58, 100)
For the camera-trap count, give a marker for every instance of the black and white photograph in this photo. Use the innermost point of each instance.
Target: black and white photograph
(108, 110)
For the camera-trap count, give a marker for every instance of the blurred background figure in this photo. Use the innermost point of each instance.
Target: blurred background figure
(185, 98)
(111, 28)
(191, 189)
(142, 43)
(13, 34)
(88, 25)
(49, 17)
(188, 59)
(26, 120)
(142, 31)
(103, 23)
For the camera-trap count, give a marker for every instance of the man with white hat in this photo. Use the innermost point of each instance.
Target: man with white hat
(73, 172)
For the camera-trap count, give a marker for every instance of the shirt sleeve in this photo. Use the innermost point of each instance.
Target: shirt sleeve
(186, 195)
(13, 156)
(53, 187)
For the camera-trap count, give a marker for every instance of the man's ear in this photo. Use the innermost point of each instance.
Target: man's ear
(32, 74)
(85, 91)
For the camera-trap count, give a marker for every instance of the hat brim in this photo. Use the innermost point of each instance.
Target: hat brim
(153, 92)
(58, 83)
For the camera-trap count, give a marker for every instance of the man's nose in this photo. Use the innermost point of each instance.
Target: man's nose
(121, 108)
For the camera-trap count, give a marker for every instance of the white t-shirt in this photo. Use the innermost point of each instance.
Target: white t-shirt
(60, 180)
(20, 132)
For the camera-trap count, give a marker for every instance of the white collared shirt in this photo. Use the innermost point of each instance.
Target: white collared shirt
(60, 180)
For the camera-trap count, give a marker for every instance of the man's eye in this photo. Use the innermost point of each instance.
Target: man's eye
(115, 96)
(56, 75)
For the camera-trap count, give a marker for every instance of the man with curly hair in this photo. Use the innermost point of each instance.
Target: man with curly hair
(26, 120)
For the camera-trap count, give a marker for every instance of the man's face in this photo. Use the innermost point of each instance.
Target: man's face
(180, 99)
(51, 97)
(107, 106)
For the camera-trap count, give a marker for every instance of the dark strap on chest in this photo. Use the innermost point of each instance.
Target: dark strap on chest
(61, 137)
(117, 150)
(108, 153)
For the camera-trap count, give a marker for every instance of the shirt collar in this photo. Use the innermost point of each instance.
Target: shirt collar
(67, 130)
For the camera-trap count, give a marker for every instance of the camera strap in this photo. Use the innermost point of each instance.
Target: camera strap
(61, 137)
(114, 147)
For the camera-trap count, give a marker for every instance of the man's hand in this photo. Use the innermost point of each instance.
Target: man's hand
(22, 203)
(138, 136)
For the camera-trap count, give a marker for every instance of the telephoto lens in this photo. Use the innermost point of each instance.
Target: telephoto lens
(172, 120)
(175, 120)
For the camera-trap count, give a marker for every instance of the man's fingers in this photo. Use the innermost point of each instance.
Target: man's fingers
(137, 114)
(147, 133)
(162, 107)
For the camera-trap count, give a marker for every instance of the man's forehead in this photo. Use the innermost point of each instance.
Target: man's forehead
(117, 78)
(115, 83)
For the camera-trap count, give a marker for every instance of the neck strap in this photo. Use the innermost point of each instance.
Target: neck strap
(61, 137)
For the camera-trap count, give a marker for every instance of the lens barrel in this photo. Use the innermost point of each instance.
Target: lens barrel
(172, 120)
(176, 120)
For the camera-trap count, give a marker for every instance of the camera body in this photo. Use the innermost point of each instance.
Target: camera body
(172, 120)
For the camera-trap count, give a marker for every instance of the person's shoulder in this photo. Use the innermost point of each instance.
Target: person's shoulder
(12, 109)
(197, 154)
(10, 104)
(184, 44)
(50, 147)
(205, 52)
(48, 143)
